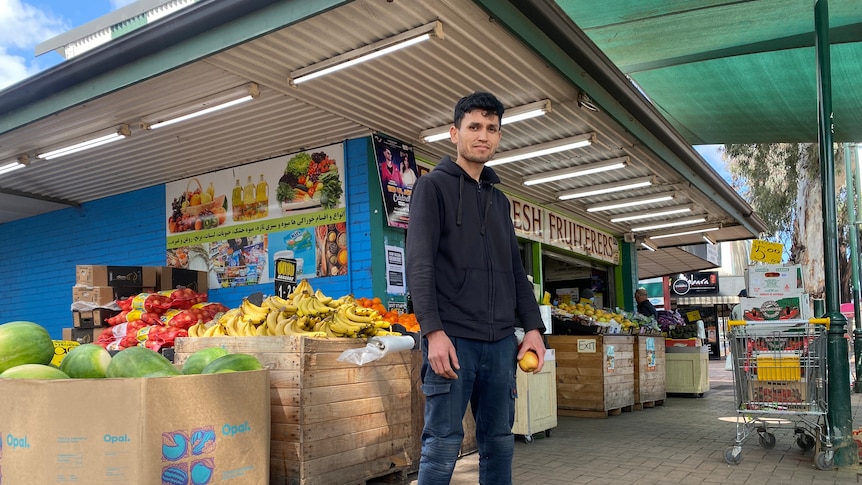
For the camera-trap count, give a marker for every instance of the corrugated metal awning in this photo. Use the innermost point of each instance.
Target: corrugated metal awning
(707, 300)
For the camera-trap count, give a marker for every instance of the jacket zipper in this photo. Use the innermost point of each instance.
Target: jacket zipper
(487, 263)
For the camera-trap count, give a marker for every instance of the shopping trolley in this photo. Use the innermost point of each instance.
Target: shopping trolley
(780, 380)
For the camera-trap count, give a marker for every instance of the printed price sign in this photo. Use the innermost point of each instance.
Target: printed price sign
(766, 252)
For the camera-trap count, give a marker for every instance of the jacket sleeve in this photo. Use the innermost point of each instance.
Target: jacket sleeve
(527, 307)
(423, 239)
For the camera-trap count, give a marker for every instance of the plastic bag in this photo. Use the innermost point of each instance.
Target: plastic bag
(728, 364)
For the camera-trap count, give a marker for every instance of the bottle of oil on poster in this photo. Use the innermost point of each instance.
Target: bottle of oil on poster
(236, 202)
(248, 200)
(262, 198)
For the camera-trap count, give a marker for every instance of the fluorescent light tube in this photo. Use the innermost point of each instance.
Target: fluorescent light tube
(649, 199)
(605, 189)
(367, 52)
(12, 166)
(518, 113)
(116, 135)
(685, 233)
(649, 245)
(708, 238)
(541, 149)
(201, 107)
(681, 222)
(656, 213)
(607, 165)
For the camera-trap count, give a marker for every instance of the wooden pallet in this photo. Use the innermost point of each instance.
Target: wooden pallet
(584, 413)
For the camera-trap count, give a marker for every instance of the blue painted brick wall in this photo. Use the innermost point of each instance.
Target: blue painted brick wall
(129, 229)
(42, 252)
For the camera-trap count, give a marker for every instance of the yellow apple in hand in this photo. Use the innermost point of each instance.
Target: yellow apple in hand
(529, 362)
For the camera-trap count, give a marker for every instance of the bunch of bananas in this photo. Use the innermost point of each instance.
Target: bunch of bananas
(304, 312)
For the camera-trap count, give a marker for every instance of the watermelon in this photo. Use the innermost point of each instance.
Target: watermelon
(86, 361)
(33, 371)
(140, 362)
(200, 359)
(233, 363)
(24, 343)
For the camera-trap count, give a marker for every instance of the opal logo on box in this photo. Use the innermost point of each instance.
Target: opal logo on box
(110, 438)
(17, 442)
(231, 429)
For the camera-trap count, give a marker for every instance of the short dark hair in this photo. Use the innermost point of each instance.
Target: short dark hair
(478, 100)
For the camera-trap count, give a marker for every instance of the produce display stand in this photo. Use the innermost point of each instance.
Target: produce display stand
(687, 370)
(650, 383)
(536, 405)
(595, 374)
(331, 422)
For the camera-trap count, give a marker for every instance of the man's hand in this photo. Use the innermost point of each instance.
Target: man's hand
(441, 355)
(533, 341)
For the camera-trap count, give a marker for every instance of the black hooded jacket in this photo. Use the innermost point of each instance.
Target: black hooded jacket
(463, 264)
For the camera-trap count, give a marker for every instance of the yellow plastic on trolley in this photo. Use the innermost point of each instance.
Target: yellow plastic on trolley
(779, 366)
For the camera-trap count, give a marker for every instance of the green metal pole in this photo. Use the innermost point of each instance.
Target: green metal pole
(838, 361)
(852, 191)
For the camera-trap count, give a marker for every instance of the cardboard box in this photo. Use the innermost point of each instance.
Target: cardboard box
(136, 276)
(92, 318)
(173, 278)
(137, 431)
(774, 281)
(102, 295)
(81, 335)
(779, 392)
(772, 309)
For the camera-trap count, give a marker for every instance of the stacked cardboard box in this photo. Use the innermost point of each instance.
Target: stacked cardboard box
(97, 286)
(776, 292)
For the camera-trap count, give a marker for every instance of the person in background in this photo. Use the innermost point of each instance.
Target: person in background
(736, 311)
(469, 290)
(408, 176)
(587, 296)
(645, 307)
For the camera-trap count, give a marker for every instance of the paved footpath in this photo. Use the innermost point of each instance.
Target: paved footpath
(681, 442)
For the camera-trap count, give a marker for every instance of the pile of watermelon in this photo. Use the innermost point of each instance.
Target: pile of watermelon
(26, 351)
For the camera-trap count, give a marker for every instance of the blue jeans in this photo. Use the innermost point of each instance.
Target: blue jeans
(486, 380)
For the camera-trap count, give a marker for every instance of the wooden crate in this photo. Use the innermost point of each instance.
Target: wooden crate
(650, 384)
(595, 374)
(332, 422)
(536, 405)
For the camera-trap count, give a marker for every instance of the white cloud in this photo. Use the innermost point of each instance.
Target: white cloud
(22, 27)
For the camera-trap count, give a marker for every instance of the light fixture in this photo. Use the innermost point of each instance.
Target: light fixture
(93, 140)
(541, 149)
(585, 102)
(605, 188)
(367, 52)
(685, 233)
(649, 199)
(604, 166)
(680, 222)
(709, 238)
(649, 245)
(510, 115)
(201, 107)
(649, 214)
(22, 162)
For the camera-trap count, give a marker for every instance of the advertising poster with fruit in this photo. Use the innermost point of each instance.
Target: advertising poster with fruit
(232, 223)
(398, 172)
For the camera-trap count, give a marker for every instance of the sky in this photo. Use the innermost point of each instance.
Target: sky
(26, 23)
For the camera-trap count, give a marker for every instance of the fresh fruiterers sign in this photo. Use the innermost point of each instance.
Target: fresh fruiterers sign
(538, 224)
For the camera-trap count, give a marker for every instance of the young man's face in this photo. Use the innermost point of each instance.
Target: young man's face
(478, 136)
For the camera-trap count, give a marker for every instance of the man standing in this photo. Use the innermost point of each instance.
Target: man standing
(469, 290)
(645, 307)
